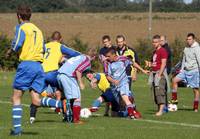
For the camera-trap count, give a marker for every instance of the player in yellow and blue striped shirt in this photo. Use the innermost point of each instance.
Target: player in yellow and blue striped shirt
(100, 80)
(29, 44)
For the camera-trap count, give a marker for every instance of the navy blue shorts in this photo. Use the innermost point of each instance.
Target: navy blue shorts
(109, 97)
(51, 78)
(29, 75)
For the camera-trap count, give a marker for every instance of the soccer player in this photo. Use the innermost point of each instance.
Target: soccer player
(106, 41)
(190, 70)
(70, 80)
(158, 76)
(118, 78)
(29, 44)
(52, 58)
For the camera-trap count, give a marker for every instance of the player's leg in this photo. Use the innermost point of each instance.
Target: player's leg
(76, 110)
(37, 87)
(33, 111)
(107, 109)
(21, 82)
(71, 90)
(125, 92)
(58, 97)
(137, 114)
(196, 99)
(160, 96)
(180, 77)
(96, 104)
(16, 112)
(129, 105)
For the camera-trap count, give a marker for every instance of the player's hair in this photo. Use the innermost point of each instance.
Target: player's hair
(110, 50)
(92, 52)
(156, 37)
(191, 35)
(120, 36)
(106, 37)
(56, 35)
(24, 12)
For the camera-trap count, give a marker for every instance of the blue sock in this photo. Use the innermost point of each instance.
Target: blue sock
(17, 116)
(49, 102)
(96, 103)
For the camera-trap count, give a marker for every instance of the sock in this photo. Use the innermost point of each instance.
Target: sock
(130, 110)
(49, 102)
(95, 106)
(196, 105)
(17, 116)
(174, 95)
(76, 111)
(96, 103)
(33, 110)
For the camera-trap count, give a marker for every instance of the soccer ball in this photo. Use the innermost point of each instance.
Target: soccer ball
(172, 107)
(85, 113)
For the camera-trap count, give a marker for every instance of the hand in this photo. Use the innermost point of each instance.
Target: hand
(8, 53)
(116, 82)
(134, 77)
(147, 64)
(146, 72)
(158, 76)
(93, 84)
(82, 86)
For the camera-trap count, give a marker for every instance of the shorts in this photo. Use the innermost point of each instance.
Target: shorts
(69, 85)
(29, 75)
(109, 97)
(124, 89)
(160, 92)
(190, 77)
(51, 78)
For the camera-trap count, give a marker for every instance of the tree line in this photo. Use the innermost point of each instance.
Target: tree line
(101, 5)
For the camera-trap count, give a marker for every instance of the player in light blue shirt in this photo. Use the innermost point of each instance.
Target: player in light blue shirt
(118, 78)
(69, 79)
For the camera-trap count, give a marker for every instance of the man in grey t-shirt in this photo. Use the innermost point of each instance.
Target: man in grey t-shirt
(190, 70)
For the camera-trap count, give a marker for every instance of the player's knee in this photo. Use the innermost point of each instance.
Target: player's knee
(36, 101)
(100, 99)
(174, 80)
(77, 100)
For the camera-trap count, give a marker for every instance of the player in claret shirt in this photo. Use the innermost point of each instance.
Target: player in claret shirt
(70, 81)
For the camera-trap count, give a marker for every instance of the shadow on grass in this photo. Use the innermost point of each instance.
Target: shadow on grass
(48, 121)
(185, 109)
(150, 112)
(30, 133)
(50, 112)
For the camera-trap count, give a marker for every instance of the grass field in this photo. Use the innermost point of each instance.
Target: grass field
(184, 124)
(92, 26)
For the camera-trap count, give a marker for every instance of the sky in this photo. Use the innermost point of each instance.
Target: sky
(188, 1)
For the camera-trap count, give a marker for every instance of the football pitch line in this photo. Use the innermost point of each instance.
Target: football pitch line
(141, 120)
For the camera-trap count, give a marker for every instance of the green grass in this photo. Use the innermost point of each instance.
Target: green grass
(49, 125)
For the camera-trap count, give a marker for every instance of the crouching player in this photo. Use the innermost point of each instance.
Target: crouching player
(52, 58)
(28, 43)
(118, 78)
(70, 81)
(100, 80)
